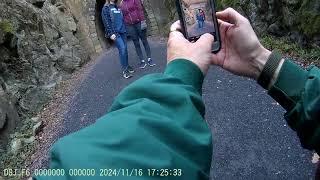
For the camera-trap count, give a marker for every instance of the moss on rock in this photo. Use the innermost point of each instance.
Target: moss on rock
(6, 26)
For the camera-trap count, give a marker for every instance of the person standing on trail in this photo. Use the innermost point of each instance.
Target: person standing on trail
(200, 18)
(137, 29)
(156, 127)
(115, 29)
(203, 14)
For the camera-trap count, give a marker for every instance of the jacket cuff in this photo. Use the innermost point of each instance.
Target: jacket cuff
(187, 72)
(289, 85)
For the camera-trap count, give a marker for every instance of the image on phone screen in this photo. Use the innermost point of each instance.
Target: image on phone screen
(198, 17)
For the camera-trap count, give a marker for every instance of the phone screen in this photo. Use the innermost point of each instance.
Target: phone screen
(198, 17)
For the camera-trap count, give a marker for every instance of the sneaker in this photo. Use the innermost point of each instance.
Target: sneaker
(142, 64)
(126, 74)
(150, 62)
(130, 69)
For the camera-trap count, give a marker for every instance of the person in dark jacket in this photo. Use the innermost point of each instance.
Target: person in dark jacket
(156, 126)
(200, 18)
(115, 29)
(137, 29)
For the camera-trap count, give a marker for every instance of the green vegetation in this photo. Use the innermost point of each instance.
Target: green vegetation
(307, 55)
(242, 6)
(227, 3)
(309, 18)
(310, 23)
(6, 26)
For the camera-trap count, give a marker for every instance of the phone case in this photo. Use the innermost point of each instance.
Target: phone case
(217, 44)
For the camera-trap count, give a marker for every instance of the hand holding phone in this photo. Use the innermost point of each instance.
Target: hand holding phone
(197, 18)
(180, 48)
(241, 52)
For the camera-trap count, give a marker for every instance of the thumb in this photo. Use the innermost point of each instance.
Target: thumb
(206, 40)
(229, 15)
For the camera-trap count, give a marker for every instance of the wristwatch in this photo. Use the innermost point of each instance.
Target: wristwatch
(269, 69)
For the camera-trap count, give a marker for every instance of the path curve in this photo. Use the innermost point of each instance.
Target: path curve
(251, 138)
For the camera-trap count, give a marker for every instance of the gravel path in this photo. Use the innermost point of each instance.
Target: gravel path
(251, 138)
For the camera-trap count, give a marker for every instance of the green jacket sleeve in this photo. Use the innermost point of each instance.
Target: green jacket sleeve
(298, 91)
(154, 128)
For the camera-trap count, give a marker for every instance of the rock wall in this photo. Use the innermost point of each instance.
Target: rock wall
(85, 13)
(42, 42)
(164, 13)
(297, 19)
(8, 118)
(39, 46)
(153, 26)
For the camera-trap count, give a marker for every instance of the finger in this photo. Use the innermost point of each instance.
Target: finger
(175, 30)
(223, 23)
(224, 27)
(206, 40)
(230, 15)
(216, 60)
(176, 26)
(175, 38)
(176, 34)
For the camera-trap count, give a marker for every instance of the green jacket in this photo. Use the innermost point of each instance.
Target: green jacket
(159, 129)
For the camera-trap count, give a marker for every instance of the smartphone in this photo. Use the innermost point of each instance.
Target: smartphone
(198, 17)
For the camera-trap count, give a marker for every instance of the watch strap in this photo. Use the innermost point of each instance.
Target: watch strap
(269, 69)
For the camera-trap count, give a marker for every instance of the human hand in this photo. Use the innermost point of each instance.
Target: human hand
(113, 37)
(241, 52)
(198, 52)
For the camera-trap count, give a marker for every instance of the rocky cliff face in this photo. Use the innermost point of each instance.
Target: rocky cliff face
(297, 19)
(38, 48)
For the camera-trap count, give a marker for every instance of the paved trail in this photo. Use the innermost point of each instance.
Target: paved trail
(251, 138)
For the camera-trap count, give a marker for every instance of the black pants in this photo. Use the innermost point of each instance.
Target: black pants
(136, 34)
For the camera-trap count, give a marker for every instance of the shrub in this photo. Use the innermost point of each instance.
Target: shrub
(310, 55)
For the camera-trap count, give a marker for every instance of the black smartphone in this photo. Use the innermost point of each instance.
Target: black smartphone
(198, 17)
